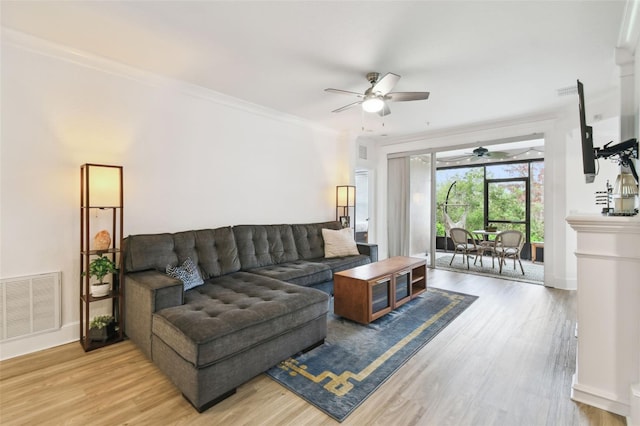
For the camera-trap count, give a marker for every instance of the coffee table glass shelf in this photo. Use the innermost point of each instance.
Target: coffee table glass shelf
(365, 293)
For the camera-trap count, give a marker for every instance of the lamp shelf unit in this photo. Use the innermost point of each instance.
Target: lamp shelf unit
(93, 344)
(101, 209)
(89, 298)
(346, 206)
(100, 252)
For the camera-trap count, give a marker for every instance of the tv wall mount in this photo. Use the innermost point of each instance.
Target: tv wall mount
(624, 153)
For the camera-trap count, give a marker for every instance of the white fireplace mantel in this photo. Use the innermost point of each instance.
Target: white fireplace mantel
(608, 297)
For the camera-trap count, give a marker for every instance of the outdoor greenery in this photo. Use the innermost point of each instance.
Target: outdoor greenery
(507, 200)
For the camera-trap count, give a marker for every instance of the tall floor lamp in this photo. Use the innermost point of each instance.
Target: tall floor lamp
(346, 206)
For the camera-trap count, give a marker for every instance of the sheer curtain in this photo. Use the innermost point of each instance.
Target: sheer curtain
(420, 205)
(398, 182)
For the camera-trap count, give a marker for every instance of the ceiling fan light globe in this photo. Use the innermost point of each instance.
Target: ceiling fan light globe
(373, 104)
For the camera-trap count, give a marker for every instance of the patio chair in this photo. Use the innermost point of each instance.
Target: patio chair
(465, 243)
(508, 245)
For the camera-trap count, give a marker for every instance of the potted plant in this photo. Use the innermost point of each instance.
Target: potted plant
(99, 268)
(101, 328)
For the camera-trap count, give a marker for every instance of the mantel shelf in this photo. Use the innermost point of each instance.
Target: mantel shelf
(606, 224)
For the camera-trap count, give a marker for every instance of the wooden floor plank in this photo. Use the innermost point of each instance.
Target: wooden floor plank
(507, 360)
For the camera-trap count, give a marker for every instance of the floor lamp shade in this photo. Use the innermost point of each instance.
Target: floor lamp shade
(102, 185)
(345, 196)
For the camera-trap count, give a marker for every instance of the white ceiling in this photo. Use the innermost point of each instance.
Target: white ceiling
(481, 60)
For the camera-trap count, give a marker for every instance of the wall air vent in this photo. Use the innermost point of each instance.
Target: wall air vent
(362, 152)
(29, 305)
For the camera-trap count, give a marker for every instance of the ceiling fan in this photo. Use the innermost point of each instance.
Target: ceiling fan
(479, 154)
(375, 98)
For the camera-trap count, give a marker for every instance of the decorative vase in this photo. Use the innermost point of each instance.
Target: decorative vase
(100, 289)
(102, 240)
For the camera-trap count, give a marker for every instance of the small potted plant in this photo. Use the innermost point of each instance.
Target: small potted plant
(101, 328)
(99, 268)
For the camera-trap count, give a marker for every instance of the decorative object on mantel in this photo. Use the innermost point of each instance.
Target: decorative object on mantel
(623, 197)
(101, 328)
(603, 198)
(625, 193)
(102, 241)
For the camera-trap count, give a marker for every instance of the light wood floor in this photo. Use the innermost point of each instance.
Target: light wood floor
(507, 360)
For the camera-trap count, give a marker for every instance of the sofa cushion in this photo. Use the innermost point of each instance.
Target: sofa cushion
(233, 313)
(308, 238)
(264, 245)
(300, 272)
(213, 250)
(338, 264)
(144, 252)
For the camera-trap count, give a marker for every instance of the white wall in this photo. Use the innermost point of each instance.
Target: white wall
(192, 159)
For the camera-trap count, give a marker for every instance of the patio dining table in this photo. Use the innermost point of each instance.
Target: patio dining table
(485, 243)
(485, 234)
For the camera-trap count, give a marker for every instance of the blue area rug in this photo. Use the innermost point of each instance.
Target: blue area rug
(356, 359)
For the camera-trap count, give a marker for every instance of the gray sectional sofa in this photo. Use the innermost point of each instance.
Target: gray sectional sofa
(260, 302)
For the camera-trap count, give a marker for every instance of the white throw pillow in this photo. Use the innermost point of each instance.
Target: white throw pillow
(339, 243)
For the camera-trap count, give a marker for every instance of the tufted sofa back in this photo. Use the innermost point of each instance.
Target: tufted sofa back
(213, 250)
(225, 250)
(264, 245)
(308, 238)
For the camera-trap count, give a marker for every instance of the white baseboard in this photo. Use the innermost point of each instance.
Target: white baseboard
(596, 398)
(633, 419)
(13, 348)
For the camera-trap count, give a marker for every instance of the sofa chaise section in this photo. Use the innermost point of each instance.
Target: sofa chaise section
(233, 328)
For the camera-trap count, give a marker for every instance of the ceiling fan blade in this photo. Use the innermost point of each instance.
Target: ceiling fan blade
(344, 92)
(347, 106)
(456, 158)
(498, 155)
(384, 111)
(386, 83)
(407, 96)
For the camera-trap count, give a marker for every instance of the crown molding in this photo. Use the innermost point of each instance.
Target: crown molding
(541, 121)
(85, 59)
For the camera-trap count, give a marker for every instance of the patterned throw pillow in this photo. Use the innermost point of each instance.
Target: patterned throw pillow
(187, 273)
(339, 243)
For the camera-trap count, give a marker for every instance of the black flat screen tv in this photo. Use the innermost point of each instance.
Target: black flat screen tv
(586, 134)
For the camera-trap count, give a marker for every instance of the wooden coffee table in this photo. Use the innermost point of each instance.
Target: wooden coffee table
(367, 292)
